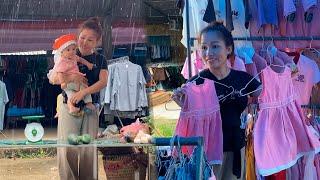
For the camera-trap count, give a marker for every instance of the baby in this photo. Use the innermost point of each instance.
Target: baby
(65, 64)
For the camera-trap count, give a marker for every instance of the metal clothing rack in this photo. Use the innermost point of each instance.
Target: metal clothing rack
(274, 38)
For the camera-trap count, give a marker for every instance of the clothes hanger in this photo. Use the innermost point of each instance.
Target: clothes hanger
(258, 89)
(194, 81)
(228, 87)
(270, 64)
(123, 59)
(314, 50)
(271, 48)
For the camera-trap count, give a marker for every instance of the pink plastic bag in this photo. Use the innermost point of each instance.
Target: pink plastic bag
(132, 130)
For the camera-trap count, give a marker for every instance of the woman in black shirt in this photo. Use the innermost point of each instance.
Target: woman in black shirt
(217, 46)
(81, 163)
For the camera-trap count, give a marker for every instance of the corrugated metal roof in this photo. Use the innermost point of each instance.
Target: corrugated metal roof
(24, 53)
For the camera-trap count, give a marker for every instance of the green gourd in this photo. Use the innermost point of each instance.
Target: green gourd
(73, 139)
(86, 138)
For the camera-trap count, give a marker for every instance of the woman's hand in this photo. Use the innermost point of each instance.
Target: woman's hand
(77, 97)
(179, 96)
(84, 62)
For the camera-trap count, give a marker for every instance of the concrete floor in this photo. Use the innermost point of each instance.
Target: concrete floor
(170, 111)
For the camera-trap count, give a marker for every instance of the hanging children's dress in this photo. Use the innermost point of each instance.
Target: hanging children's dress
(200, 116)
(280, 133)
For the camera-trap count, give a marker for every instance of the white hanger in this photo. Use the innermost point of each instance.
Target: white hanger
(313, 49)
(224, 97)
(119, 60)
(258, 89)
(271, 45)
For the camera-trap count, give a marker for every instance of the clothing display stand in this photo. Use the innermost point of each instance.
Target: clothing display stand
(194, 141)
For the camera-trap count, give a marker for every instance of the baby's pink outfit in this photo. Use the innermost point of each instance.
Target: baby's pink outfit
(67, 66)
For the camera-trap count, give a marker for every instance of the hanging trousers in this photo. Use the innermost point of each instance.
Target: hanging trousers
(76, 163)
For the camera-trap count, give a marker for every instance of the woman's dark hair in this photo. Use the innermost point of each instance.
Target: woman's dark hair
(93, 24)
(225, 34)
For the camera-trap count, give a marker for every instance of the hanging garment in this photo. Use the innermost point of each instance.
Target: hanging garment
(277, 176)
(197, 10)
(317, 165)
(238, 64)
(232, 14)
(267, 12)
(252, 70)
(209, 16)
(196, 65)
(159, 74)
(246, 52)
(126, 80)
(311, 28)
(255, 27)
(304, 82)
(296, 171)
(259, 62)
(250, 162)
(299, 26)
(184, 168)
(243, 49)
(3, 101)
(306, 78)
(228, 19)
(290, 5)
(248, 13)
(280, 124)
(284, 57)
(200, 116)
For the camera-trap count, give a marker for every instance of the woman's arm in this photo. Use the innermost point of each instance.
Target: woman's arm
(96, 87)
(76, 78)
(84, 62)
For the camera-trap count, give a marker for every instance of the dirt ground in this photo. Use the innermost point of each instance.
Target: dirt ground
(35, 169)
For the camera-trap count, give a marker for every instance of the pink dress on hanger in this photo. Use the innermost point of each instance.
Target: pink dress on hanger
(281, 136)
(237, 65)
(200, 116)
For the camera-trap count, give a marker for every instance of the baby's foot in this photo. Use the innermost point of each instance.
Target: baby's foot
(72, 108)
